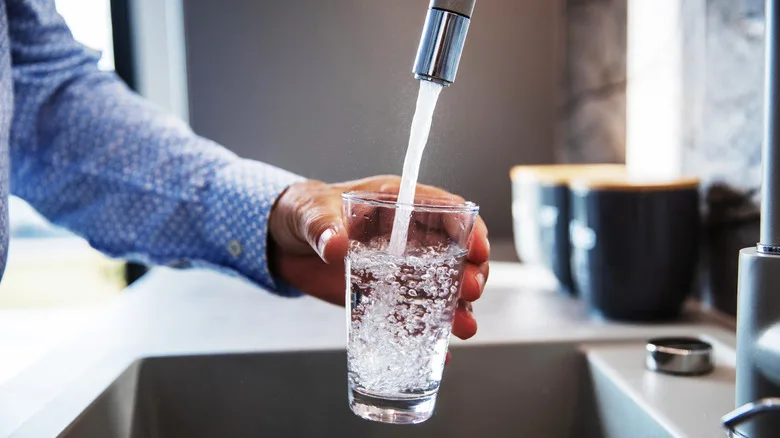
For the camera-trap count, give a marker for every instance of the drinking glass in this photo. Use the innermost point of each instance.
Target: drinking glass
(401, 305)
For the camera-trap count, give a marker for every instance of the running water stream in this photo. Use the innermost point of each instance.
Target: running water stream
(418, 138)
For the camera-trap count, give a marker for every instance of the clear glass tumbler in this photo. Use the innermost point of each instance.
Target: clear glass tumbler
(401, 305)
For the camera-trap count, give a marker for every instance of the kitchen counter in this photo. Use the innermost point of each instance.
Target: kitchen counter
(173, 312)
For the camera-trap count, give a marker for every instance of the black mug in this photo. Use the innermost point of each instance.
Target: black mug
(635, 246)
(541, 213)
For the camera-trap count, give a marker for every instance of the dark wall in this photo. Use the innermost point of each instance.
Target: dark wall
(324, 88)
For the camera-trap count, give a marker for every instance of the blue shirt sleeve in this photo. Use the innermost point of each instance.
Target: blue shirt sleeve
(136, 182)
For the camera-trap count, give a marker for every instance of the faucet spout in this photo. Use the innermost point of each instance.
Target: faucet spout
(442, 41)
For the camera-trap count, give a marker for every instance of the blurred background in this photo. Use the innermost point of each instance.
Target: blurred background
(325, 89)
(329, 81)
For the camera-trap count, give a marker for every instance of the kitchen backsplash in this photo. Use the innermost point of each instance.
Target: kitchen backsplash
(722, 119)
(593, 113)
(727, 147)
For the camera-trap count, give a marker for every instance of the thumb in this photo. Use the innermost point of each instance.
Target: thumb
(324, 230)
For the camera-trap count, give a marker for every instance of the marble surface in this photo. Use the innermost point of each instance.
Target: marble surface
(726, 151)
(593, 112)
(728, 144)
(722, 115)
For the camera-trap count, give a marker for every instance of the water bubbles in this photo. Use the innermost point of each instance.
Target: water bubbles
(401, 316)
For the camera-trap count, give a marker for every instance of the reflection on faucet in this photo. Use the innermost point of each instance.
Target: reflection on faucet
(443, 38)
(744, 413)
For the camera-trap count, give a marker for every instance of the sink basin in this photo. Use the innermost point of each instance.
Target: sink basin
(527, 390)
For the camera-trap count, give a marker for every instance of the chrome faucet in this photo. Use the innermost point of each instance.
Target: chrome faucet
(758, 308)
(443, 37)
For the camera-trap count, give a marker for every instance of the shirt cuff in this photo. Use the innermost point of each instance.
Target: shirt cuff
(237, 205)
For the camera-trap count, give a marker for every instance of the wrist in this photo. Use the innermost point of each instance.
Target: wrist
(237, 207)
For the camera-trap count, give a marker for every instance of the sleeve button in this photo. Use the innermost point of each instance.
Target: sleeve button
(234, 248)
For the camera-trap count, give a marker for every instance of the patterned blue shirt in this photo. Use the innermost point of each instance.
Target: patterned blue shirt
(92, 156)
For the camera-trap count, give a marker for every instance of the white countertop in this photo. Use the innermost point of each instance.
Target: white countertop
(199, 312)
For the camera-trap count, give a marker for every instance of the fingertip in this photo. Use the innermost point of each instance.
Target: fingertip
(479, 245)
(464, 325)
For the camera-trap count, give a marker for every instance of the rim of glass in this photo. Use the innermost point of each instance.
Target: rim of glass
(372, 198)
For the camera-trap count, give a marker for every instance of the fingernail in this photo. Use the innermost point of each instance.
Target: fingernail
(480, 277)
(323, 242)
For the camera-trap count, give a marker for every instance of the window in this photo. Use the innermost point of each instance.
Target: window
(90, 22)
(48, 266)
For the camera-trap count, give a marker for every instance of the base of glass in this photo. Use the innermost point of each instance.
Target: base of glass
(392, 410)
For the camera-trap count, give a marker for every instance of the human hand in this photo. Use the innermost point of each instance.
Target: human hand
(310, 242)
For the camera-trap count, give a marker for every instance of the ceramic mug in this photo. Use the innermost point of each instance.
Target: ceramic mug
(541, 213)
(635, 245)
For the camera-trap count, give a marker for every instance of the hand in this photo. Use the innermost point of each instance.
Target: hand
(310, 243)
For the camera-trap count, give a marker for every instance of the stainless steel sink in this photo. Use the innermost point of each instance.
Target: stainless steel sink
(520, 390)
